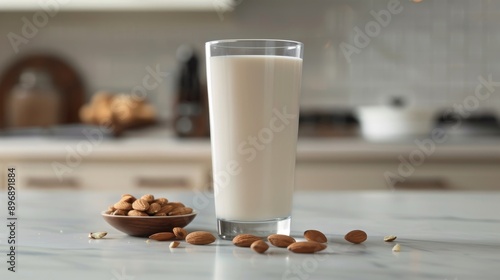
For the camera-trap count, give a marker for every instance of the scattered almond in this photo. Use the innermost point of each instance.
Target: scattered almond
(162, 236)
(315, 235)
(97, 235)
(200, 238)
(174, 244)
(356, 236)
(280, 240)
(245, 240)
(390, 238)
(259, 246)
(123, 205)
(180, 233)
(149, 198)
(396, 248)
(181, 211)
(140, 205)
(136, 213)
(306, 247)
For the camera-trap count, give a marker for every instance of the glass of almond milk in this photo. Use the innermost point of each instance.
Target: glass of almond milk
(253, 91)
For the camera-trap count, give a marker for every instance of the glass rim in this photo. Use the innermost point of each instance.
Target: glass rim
(291, 42)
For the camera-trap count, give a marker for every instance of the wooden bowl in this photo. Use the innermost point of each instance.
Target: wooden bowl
(143, 226)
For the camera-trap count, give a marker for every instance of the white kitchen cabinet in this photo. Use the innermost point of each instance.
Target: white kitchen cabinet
(113, 175)
(358, 175)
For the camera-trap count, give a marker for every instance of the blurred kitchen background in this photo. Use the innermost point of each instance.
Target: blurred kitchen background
(370, 103)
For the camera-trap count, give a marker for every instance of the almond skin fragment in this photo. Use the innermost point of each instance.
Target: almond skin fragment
(245, 240)
(356, 236)
(315, 235)
(259, 246)
(200, 238)
(180, 233)
(162, 236)
(280, 240)
(306, 247)
(396, 248)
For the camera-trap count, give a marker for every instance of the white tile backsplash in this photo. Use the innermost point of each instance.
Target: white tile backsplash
(432, 52)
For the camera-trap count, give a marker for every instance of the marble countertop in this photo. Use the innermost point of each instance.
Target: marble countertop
(443, 235)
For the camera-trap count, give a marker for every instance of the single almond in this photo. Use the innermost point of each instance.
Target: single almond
(180, 211)
(153, 208)
(128, 198)
(315, 235)
(162, 201)
(259, 246)
(390, 238)
(245, 240)
(108, 212)
(280, 240)
(180, 233)
(174, 244)
(123, 205)
(356, 236)
(162, 236)
(148, 197)
(200, 238)
(166, 209)
(119, 212)
(140, 205)
(306, 247)
(136, 213)
(176, 204)
(111, 208)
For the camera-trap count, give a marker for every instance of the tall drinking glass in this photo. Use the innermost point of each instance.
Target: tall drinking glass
(253, 90)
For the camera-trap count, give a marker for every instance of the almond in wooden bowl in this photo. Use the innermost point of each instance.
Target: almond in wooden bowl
(144, 226)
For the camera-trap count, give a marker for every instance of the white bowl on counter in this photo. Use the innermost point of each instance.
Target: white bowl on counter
(389, 123)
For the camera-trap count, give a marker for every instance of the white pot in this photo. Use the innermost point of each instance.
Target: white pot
(386, 123)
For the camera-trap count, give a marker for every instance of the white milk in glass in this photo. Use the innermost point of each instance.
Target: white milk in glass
(254, 110)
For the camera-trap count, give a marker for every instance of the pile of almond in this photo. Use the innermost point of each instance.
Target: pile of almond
(147, 205)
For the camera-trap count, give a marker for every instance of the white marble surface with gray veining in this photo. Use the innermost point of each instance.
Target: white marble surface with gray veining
(443, 235)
